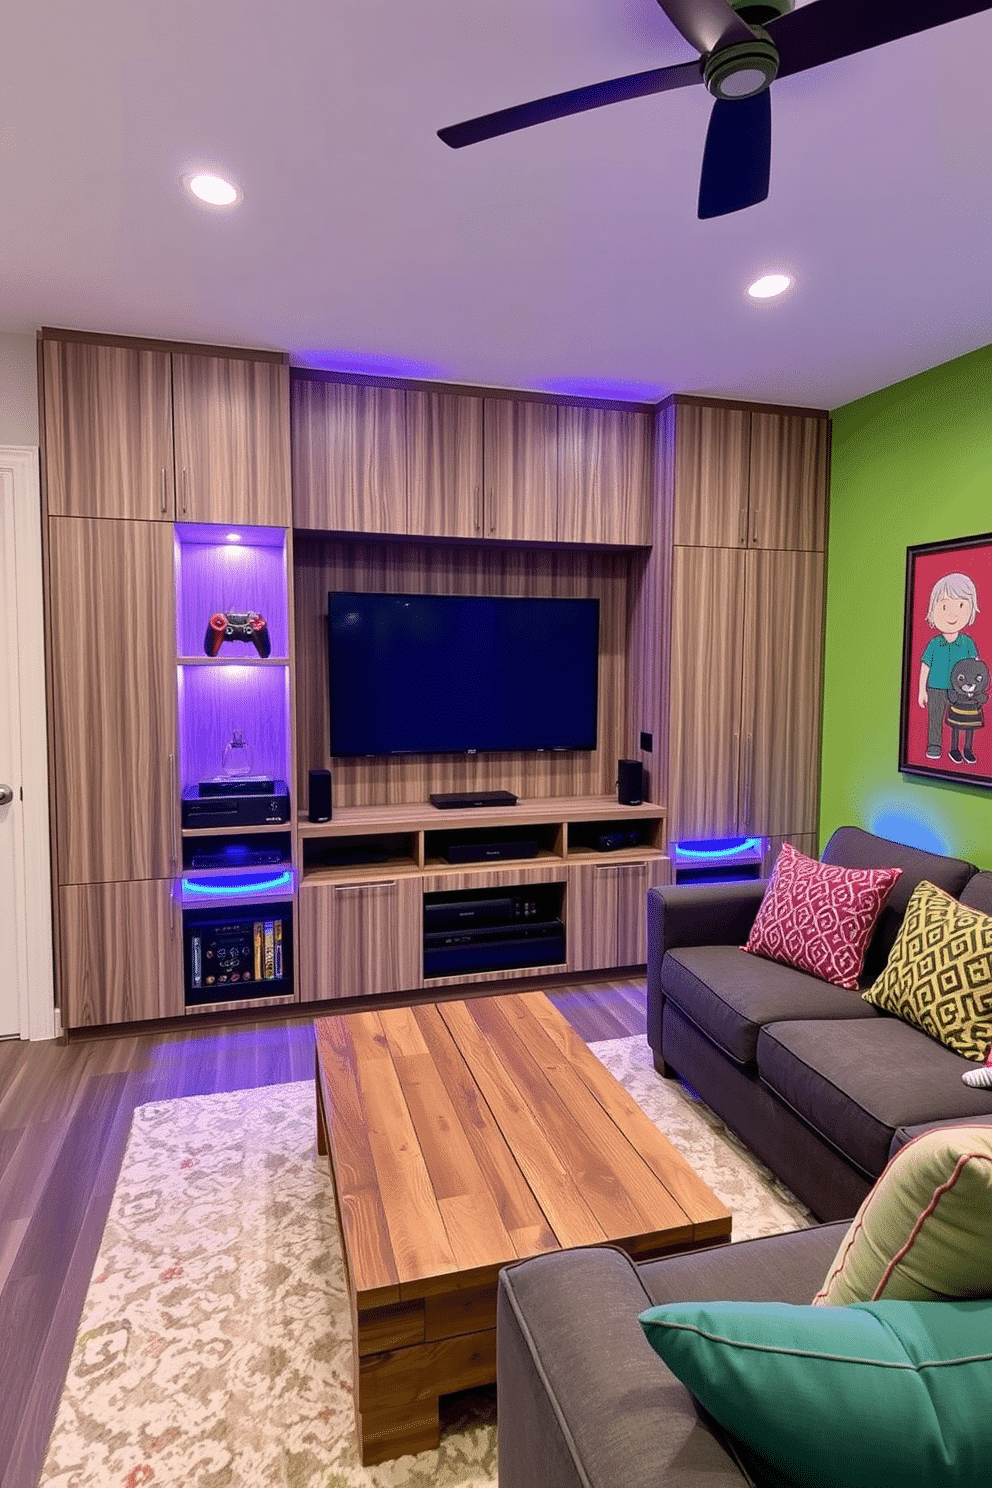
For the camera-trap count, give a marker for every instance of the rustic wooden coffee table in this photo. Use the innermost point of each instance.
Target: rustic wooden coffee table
(464, 1136)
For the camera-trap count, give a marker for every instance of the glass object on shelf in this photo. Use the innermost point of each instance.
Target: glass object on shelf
(237, 758)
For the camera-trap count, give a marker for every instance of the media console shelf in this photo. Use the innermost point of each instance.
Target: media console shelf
(367, 873)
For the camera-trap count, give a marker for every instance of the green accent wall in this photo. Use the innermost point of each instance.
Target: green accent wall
(910, 464)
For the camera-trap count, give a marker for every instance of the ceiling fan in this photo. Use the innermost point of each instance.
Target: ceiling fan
(744, 45)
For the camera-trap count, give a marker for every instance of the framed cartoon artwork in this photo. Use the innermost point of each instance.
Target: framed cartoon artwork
(945, 727)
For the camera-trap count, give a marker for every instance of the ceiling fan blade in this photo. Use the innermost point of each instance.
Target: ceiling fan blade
(707, 24)
(829, 29)
(737, 158)
(577, 101)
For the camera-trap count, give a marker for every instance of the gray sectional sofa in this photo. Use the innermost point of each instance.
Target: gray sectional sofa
(822, 1086)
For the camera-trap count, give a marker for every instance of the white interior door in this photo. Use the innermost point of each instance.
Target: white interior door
(11, 807)
(26, 985)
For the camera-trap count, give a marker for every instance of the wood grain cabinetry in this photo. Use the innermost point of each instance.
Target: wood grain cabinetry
(749, 479)
(359, 938)
(108, 431)
(747, 589)
(604, 476)
(432, 463)
(606, 911)
(349, 456)
(139, 432)
(521, 470)
(232, 440)
(444, 436)
(121, 952)
(113, 666)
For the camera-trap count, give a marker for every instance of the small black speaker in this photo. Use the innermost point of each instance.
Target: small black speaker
(319, 798)
(630, 782)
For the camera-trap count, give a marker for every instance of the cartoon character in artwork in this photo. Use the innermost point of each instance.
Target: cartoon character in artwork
(966, 697)
(953, 605)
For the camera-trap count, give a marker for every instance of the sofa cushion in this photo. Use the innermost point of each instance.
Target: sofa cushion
(819, 917)
(834, 1397)
(977, 893)
(924, 1232)
(939, 972)
(775, 1268)
(855, 1083)
(850, 847)
(730, 995)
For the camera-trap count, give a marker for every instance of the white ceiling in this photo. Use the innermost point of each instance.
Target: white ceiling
(565, 257)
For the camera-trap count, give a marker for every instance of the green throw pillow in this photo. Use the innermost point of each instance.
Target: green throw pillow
(925, 1230)
(939, 972)
(890, 1394)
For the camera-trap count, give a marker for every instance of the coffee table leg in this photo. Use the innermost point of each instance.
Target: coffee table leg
(384, 1434)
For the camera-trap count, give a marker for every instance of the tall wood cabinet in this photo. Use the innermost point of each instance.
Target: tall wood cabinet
(749, 503)
(137, 437)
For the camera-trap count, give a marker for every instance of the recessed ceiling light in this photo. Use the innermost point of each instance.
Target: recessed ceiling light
(769, 285)
(212, 189)
(233, 537)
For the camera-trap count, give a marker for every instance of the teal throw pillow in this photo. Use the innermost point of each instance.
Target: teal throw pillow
(886, 1393)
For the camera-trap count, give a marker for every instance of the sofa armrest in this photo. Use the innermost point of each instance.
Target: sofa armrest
(584, 1402)
(694, 915)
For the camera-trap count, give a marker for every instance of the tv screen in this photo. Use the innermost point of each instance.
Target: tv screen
(440, 674)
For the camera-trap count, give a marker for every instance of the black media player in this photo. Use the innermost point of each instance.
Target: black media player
(268, 807)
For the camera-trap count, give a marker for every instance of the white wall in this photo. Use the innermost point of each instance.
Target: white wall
(18, 390)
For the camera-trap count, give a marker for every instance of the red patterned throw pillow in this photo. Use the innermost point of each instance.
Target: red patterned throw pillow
(819, 918)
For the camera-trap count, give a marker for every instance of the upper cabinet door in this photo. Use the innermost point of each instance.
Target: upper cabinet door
(232, 440)
(108, 431)
(113, 612)
(711, 476)
(788, 481)
(349, 456)
(444, 463)
(604, 476)
(521, 470)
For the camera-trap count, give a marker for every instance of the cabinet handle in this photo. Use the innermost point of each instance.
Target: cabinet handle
(165, 490)
(173, 858)
(478, 508)
(491, 500)
(185, 488)
(386, 883)
(754, 528)
(748, 759)
(743, 526)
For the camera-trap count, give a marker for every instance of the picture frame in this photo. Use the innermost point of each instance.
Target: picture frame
(945, 724)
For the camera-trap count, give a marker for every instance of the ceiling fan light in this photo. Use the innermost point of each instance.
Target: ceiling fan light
(769, 285)
(742, 69)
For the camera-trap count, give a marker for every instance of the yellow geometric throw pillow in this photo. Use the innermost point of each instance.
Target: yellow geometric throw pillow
(939, 972)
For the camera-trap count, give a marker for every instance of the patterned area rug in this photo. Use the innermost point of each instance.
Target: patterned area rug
(214, 1349)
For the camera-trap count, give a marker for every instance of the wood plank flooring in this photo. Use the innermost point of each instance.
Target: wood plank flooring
(65, 1113)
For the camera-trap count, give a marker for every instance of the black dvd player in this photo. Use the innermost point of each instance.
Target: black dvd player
(235, 811)
(238, 785)
(489, 851)
(494, 948)
(451, 800)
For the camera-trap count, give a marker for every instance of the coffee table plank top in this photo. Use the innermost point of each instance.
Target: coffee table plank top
(684, 1184)
(619, 1187)
(466, 1135)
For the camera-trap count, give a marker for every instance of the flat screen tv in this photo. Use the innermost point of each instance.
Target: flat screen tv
(459, 674)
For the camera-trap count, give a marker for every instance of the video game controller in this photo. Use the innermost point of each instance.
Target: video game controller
(237, 626)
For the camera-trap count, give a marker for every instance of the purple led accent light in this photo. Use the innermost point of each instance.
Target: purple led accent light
(367, 364)
(240, 885)
(719, 848)
(598, 387)
(218, 698)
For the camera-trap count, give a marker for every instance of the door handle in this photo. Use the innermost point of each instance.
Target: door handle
(185, 489)
(748, 760)
(165, 490)
(6, 794)
(743, 528)
(478, 508)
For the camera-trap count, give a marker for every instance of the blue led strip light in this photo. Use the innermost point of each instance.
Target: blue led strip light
(747, 844)
(218, 888)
